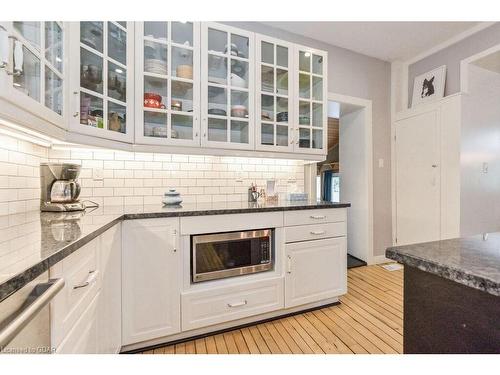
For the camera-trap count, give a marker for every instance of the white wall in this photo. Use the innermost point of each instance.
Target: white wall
(480, 192)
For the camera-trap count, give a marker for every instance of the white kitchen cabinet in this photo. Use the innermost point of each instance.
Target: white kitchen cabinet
(167, 83)
(274, 95)
(227, 87)
(33, 70)
(101, 79)
(315, 270)
(151, 288)
(310, 100)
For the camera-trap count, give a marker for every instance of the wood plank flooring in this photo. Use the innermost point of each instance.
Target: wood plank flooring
(368, 320)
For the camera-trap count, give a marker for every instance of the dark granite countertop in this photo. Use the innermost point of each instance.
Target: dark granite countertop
(471, 261)
(32, 242)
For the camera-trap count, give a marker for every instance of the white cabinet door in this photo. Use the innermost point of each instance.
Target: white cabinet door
(101, 79)
(315, 270)
(227, 87)
(151, 288)
(167, 83)
(109, 312)
(310, 100)
(274, 95)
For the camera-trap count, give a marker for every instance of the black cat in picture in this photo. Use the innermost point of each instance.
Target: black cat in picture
(427, 88)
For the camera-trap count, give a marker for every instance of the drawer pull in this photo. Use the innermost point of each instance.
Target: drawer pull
(318, 217)
(237, 304)
(318, 232)
(90, 280)
(289, 264)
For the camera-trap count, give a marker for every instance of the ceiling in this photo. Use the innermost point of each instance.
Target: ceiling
(387, 41)
(490, 62)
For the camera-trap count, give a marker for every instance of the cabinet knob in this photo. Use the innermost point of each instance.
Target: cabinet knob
(76, 114)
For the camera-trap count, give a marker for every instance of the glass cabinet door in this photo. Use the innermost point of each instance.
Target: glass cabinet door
(274, 120)
(167, 80)
(227, 87)
(311, 118)
(103, 79)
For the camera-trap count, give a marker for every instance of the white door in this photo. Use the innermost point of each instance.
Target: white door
(151, 288)
(417, 179)
(315, 270)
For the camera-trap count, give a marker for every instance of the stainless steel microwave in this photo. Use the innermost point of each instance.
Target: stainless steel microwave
(221, 255)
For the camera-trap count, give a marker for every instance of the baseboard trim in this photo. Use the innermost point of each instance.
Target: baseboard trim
(224, 330)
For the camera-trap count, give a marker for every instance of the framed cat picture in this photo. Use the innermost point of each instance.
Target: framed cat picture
(429, 86)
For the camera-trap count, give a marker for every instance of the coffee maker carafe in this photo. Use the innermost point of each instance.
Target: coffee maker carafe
(59, 188)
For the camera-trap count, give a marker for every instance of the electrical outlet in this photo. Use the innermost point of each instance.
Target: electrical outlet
(98, 174)
(485, 167)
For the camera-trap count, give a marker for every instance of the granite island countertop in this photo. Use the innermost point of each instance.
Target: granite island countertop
(471, 261)
(32, 242)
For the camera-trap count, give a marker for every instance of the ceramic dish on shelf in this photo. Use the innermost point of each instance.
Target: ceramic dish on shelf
(237, 81)
(152, 100)
(239, 111)
(172, 198)
(184, 71)
(217, 112)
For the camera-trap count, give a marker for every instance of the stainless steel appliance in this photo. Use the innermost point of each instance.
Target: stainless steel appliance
(59, 188)
(220, 255)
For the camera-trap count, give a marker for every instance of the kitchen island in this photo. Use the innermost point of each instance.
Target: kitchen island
(451, 295)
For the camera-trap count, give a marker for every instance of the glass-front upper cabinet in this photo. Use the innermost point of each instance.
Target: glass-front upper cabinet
(34, 67)
(311, 100)
(101, 79)
(274, 119)
(167, 79)
(227, 87)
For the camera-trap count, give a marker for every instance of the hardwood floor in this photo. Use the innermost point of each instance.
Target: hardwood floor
(368, 320)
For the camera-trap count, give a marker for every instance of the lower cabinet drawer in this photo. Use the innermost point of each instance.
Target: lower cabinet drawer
(315, 231)
(204, 308)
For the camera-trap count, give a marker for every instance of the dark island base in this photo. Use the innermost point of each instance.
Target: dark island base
(442, 316)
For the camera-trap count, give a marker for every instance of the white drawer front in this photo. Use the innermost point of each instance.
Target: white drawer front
(326, 215)
(315, 231)
(201, 309)
(82, 278)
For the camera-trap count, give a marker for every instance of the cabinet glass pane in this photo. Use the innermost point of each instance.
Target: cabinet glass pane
(182, 127)
(317, 64)
(267, 134)
(30, 31)
(267, 107)
(29, 81)
(281, 135)
(267, 78)
(91, 35)
(182, 33)
(90, 71)
(122, 23)
(282, 56)
(156, 30)
(217, 101)
(305, 86)
(304, 113)
(282, 81)
(239, 73)
(91, 111)
(239, 104)
(304, 138)
(281, 109)
(155, 124)
(239, 131)
(54, 45)
(267, 52)
(217, 40)
(317, 138)
(217, 130)
(239, 46)
(217, 69)
(317, 88)
(155, 92)
(182, 96)
(318, 115)
(155, 57)
(117, 43)
(304, 61)
(182, 63)
(117, 117)
(53, 91)
(117, 82)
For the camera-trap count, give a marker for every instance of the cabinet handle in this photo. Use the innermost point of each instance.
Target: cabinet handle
(18, 58)
(237, 304)
(318, 232)
(175, 240)
(289, 264)
(90, 279)
(4, 48)
(77, 113)
(318, 217)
